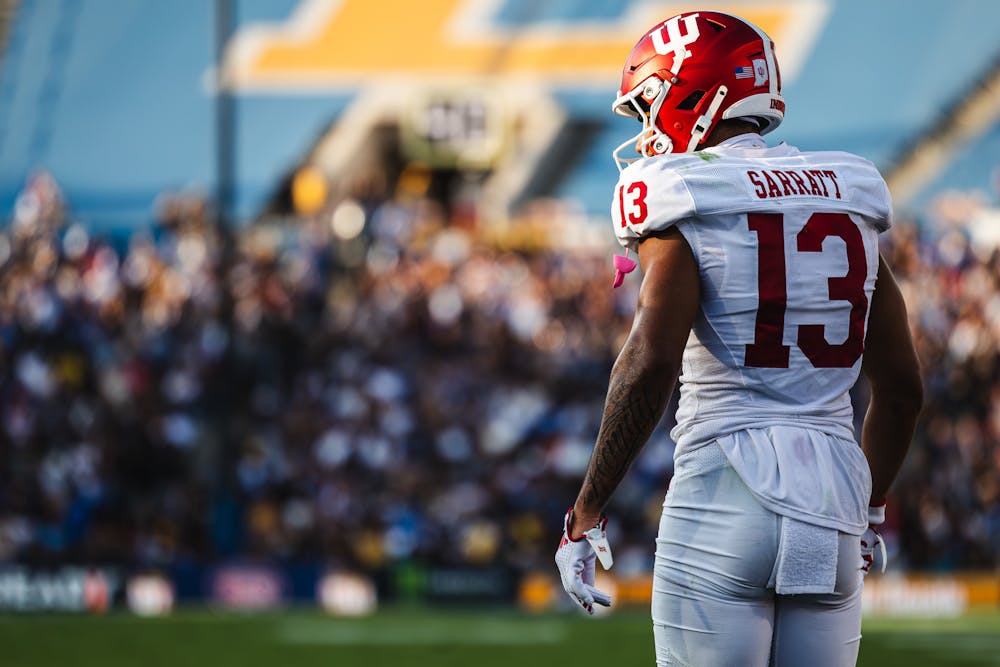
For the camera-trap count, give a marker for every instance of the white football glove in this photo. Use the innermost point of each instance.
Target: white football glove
(871, 539)
(575, 559)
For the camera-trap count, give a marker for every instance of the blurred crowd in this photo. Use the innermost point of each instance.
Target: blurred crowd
(390, 382)
(945, 507)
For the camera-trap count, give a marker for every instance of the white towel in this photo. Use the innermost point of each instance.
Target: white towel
(807, 558)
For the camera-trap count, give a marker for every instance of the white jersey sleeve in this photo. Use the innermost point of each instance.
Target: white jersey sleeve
(650, 197)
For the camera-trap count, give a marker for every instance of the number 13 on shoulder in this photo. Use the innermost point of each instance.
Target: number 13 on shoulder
(632, 203)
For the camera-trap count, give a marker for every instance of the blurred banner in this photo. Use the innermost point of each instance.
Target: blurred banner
(247, 588)
(346, 593)
(893, 595)
(944, 595)
(66, 589)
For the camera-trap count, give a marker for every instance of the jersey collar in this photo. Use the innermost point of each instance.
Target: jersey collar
(747, 140)
(750, 145)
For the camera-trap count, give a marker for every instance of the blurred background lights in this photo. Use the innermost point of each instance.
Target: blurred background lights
(348, 220)
(345, 594)
(75, 241)
(309, 190)
(150, 595)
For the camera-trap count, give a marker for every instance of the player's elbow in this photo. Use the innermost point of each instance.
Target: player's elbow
(642, 360)
(903, 392)
(913, 394)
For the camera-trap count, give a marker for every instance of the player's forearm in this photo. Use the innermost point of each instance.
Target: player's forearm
(891, 365)
(637, 395)
(886, 435)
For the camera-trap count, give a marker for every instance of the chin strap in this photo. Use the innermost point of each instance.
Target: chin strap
(704, 123)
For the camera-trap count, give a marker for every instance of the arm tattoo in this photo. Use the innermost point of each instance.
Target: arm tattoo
(636, 400)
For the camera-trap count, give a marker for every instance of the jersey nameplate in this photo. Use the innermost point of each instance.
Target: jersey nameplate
(779, 183)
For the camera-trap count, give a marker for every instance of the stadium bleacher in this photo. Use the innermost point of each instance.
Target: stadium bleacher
(116, 101)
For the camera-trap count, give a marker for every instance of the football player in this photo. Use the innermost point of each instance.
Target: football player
(763, 288)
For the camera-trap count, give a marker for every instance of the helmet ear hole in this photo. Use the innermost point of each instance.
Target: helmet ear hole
(691, 101)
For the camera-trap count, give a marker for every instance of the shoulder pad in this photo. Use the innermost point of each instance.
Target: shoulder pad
(650, 196)
(870, 193)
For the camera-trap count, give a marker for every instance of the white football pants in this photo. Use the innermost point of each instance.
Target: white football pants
(714, 603)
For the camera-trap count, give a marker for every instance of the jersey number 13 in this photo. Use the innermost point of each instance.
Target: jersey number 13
(768, 349)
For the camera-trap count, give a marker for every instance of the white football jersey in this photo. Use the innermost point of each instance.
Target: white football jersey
(786, 244)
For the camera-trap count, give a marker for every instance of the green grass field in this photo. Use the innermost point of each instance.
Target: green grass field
(422, 638)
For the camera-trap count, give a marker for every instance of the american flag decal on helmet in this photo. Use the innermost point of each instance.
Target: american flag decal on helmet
(744, 73)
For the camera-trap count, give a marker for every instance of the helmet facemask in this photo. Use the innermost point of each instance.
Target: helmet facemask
(643, 102)
(651, 140)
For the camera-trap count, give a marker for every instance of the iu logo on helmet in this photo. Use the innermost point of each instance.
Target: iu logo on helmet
(760, 72)
(677, 43)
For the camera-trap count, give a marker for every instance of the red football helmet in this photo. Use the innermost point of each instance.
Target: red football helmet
(689, 71)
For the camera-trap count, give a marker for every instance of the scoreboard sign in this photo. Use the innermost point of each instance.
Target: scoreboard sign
(454, 128)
